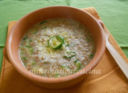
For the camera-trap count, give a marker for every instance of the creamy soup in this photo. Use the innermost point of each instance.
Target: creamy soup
(56, 48)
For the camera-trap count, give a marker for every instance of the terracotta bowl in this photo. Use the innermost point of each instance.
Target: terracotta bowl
(31, 19)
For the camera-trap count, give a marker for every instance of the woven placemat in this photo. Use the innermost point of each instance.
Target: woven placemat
(106, 77)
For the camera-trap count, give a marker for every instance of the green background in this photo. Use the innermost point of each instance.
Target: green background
(114, 13)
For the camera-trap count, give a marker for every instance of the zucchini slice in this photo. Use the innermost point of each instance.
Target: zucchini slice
(56, 42)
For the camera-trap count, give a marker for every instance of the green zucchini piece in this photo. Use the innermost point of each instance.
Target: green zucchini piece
(56, 42)
(69, 54)
(64, 67)
(78, 64)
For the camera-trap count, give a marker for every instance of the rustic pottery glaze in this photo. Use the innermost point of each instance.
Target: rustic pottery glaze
(32, 18)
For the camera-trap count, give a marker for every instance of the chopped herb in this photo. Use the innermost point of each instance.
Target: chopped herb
(76, 60)
(28, 46)
(78, 64)
(33, 63)
(31, 50)
(57, 75)
(30, 40)
(43, 22)
(24, 58)
(64, 66)
(66, 57)
(25, 37)
(91, 55)
(70, 54)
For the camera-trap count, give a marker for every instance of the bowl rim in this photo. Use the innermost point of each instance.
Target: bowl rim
(40, 79)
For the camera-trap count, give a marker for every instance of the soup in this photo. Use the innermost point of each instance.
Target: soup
(56, 48)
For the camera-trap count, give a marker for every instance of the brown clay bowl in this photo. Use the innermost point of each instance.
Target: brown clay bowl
(32, 18)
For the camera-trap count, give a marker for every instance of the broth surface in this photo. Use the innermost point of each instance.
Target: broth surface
(56, 48)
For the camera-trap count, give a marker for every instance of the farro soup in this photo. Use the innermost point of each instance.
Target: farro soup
(56, 48)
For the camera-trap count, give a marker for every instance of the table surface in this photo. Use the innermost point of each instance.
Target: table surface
(114, 14)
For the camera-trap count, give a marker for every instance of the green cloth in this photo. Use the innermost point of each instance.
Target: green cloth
(1, 57)
(114, 13)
